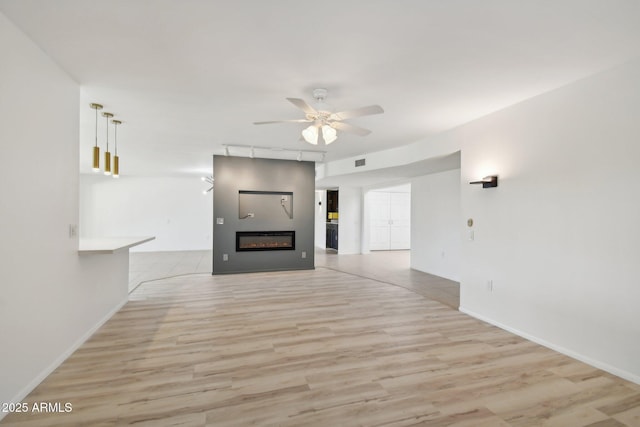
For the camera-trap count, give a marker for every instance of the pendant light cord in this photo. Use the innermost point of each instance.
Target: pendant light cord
(107, 117)
(96, 126)
(115, 137)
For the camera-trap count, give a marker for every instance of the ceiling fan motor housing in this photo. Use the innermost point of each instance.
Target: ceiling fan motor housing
(319, 95)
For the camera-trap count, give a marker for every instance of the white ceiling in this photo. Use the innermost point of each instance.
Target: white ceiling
(187, 76)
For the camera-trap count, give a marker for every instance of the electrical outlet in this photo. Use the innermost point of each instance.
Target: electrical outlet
(285, 198)
(219, 221)
(304, 254)
(73, 230)
(251, 215)
(225, 257)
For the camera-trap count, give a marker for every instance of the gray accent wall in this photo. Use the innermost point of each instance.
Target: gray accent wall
(235, 174)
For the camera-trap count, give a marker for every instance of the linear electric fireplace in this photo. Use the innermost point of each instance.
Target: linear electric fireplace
(265, 241)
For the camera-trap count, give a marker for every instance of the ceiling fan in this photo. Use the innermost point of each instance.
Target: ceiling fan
(323, 120)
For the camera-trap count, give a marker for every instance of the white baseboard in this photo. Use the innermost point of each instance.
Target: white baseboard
(58, 361)
(586, 359)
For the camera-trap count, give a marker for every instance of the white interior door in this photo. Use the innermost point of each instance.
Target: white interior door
(390, 220)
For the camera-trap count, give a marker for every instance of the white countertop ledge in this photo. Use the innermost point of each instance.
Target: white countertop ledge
(109, 245)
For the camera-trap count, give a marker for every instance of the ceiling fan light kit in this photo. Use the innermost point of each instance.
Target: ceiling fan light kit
(310, 135)
(329, 134)
(323, 120)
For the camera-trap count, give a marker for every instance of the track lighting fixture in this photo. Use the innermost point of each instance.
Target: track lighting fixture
(275, 152)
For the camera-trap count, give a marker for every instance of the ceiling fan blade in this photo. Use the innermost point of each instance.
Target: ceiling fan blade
(358, 112)
(301, 104)
(283, 121)
(346, 127)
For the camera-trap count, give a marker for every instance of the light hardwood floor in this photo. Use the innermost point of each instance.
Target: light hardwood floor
(145, 266)
(317, 348)
(393, 267)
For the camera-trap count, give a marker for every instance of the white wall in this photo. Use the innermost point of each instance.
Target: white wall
(321, 219)
(435, 225)
(173, 209)
(51, 298)
(559, 236)
(350, 201)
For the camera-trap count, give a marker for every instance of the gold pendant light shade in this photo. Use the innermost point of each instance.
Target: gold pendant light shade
(107, 163)
(96, 159)
(116, 159)
(116, 167)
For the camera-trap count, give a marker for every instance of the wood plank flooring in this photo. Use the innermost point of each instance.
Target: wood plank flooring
(317, 348)
(393, 267)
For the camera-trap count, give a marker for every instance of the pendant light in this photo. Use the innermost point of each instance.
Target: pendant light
(107, 154)
(116, 166)
(96, 149)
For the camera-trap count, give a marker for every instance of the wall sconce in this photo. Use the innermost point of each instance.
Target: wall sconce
(488, 181)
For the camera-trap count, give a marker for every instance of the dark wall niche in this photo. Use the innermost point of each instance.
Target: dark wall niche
(268, 204)
(256, 198)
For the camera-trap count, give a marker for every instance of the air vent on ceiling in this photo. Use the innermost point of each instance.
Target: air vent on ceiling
(360, 162)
